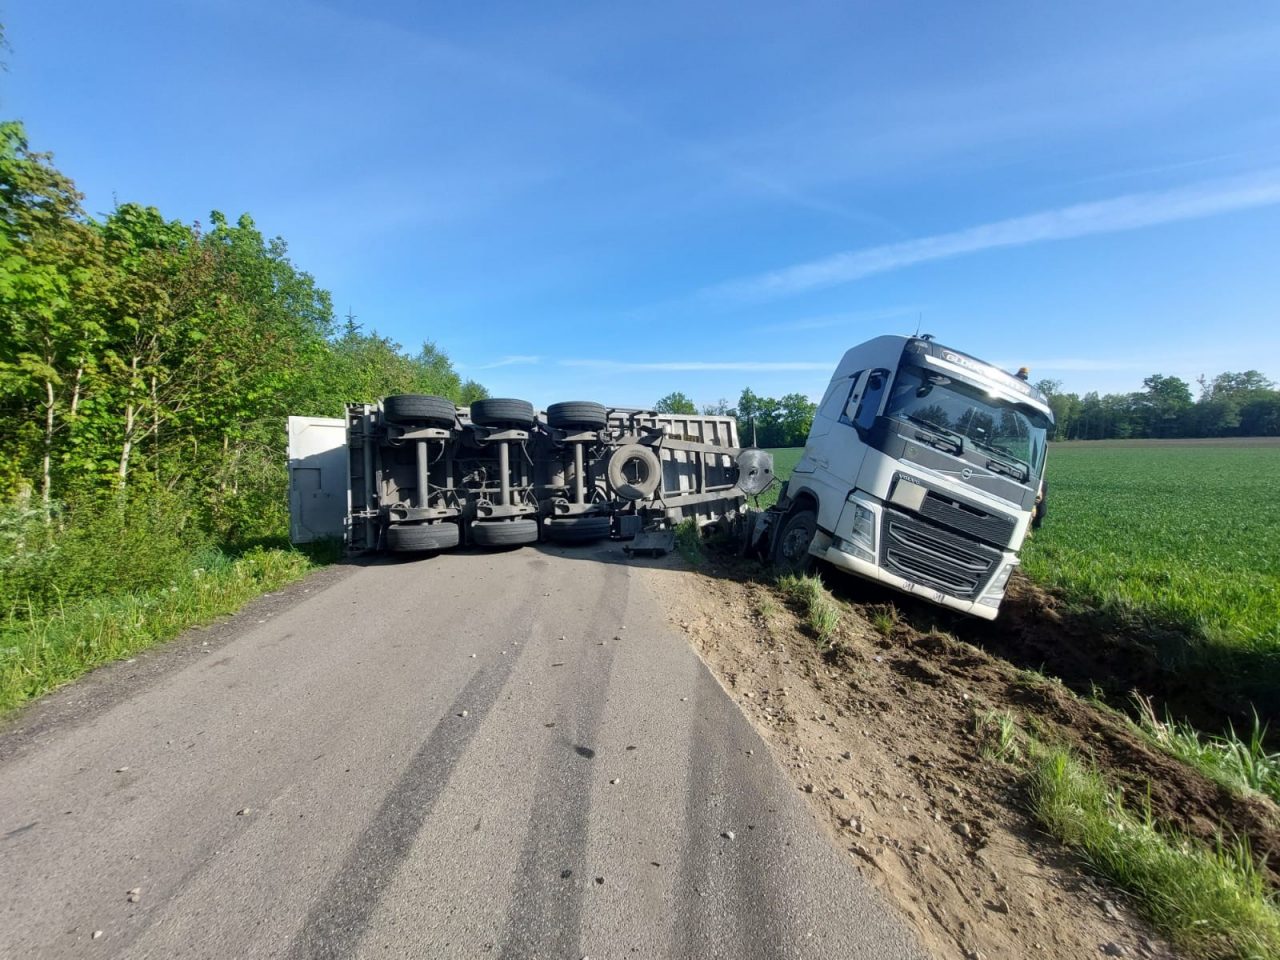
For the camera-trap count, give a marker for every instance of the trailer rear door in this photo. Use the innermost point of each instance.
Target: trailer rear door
(317, 478)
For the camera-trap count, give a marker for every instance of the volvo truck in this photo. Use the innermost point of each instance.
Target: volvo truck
(923, 471)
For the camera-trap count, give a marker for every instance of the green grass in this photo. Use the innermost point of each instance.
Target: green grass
(1230, 760)
(1183, 534)
(1181, 537)
(1210, 903)
(105, 577)
(998, 735)
(689, 541)
(41, 653)
(821, 612)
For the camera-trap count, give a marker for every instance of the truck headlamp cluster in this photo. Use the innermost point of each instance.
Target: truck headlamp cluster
(994, 593)
(864, 526)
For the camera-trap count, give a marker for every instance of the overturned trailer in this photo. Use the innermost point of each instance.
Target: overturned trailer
(417, 473)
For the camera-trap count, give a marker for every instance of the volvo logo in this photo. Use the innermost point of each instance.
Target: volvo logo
(966, 474)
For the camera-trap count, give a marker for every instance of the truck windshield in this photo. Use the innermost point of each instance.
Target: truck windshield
(1010, 436)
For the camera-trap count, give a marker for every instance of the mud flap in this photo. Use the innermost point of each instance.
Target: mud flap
(651, 543)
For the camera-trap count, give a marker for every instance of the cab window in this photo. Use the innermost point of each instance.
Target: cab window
(869, 406)
(851, 402)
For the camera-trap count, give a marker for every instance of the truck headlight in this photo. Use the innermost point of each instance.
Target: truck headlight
(864, 527)
(995, 589)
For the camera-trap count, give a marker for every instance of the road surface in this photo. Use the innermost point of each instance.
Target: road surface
(505, 755)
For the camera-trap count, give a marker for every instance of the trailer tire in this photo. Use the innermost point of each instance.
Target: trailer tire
(790, 552)
(418, 537)
(498, 412)
(648, 466)
(577, 413)
(578, 529)
(504, 533)
(419, 408)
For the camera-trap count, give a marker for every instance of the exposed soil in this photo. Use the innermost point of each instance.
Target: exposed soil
(1097, 651)
(879, 732)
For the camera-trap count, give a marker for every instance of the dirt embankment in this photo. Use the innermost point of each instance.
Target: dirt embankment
(1098, 651)
(880, 733)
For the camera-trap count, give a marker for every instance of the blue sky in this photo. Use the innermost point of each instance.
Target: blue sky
(611, 201)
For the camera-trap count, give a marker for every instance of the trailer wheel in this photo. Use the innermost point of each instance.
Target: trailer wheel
(504, 533)
(417, 537)
(418, 408)
(577, 413)
(791, 548)
(578, 529)
(498, 412)
(634, 472)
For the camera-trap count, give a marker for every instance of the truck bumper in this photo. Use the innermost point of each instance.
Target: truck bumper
(870, 571)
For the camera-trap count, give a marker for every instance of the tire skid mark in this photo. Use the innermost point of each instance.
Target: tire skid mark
(545, 917)
(337, 923)
(721, 910)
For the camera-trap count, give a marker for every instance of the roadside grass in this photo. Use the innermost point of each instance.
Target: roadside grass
(103, 578)
(884, 619)
(1235, 762)
(1210, 902)
(689, 541)
(822, 615)
(766, 608)
(42, 653)
(997, 736)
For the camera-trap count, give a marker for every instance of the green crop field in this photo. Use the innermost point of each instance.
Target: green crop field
(1185, 533)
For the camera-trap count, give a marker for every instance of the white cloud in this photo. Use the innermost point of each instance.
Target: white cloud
(750, 366)
(508, 361)
(1128, 212)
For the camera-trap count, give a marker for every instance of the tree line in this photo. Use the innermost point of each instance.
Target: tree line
(1229, 405)
(143, 354)
(780, 422)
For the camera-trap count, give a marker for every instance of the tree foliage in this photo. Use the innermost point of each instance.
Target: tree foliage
(1230, 405)
(675, 402)
(139, 353)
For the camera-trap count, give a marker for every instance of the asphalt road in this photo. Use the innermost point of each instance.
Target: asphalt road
(419, 760)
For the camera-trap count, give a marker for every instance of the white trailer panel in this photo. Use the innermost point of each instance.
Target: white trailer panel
(318, 478)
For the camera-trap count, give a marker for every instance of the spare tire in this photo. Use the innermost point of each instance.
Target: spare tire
(413, 537)
(418, 408)
(497, 412)
(504, 533)
(634, 471)
(578, 529)
(577, 413)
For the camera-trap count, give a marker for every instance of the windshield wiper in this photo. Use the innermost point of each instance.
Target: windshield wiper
(1004, 462)
(939, 433)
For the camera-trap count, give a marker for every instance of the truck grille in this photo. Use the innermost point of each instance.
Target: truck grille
(934, 557)
(992, 527)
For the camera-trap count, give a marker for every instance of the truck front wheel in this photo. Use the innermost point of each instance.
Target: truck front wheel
(791, 547)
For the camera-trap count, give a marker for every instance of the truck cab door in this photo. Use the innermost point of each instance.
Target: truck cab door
(817, 453)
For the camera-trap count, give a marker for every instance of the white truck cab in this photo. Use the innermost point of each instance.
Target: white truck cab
(921, 472)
